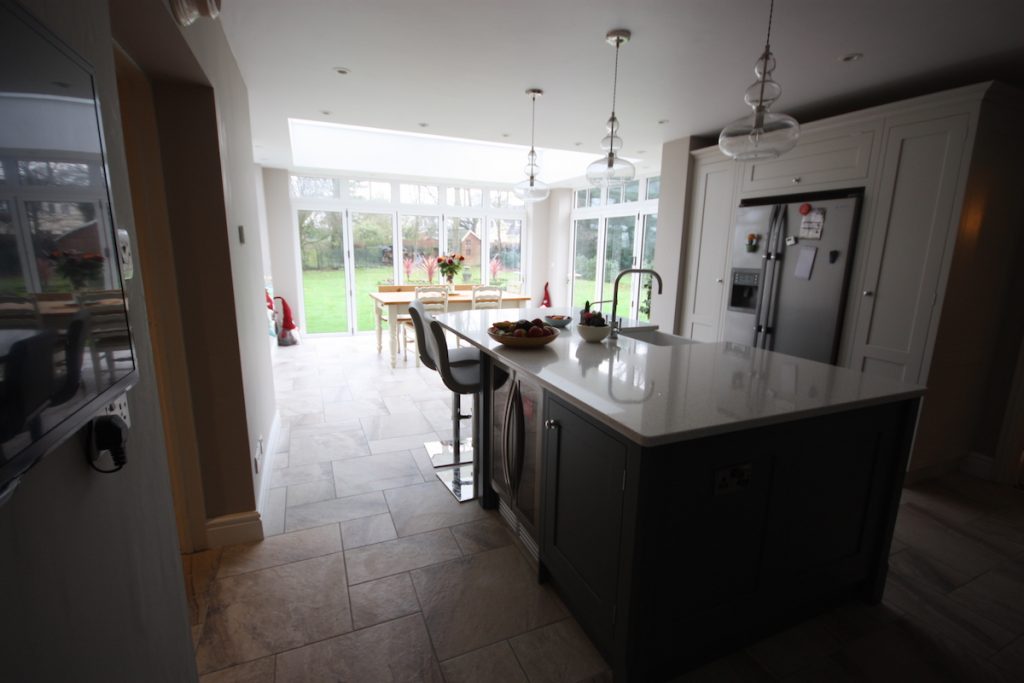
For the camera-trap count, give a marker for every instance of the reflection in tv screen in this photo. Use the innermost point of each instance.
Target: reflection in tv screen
(64, 337)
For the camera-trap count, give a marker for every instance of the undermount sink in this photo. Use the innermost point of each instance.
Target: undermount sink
(654, 337)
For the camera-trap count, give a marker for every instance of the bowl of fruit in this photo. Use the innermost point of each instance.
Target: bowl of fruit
(557, 320)
(592, 327)
(522, 334)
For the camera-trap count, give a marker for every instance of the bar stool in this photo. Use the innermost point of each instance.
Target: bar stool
(460, 371)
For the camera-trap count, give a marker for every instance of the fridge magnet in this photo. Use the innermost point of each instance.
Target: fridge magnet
(805, 209)
(811, 224)
(753, 240)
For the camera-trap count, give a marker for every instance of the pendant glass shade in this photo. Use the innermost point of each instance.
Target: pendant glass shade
(532, 190)
(611, 170)
(762, 134)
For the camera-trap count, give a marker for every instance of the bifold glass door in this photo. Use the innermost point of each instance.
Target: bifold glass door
(324, 275)
(602, 248)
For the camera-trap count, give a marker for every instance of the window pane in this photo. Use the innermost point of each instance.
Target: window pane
(12, 278)
(514, 201)
(306, 186)
(463, 236)
(647, 261)
(499, 198)
(505, 254)
(615, 195)
(584, 285)
(373, 251)
(68, 246)
(464, 196)
(418, 194)
(323, 271)
(631, 191)
(654, 187)
(59, 173)
(420, 240)
(359, 189)
(581, 198)
(595, 196)
(618, 256)
(380, 191)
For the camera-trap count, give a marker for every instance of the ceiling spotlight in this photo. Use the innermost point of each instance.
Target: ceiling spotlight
(422, 124)
(662, 122)
(504, 135)
(641, 151)
(325, 112)
(342, 71)
(578, 144)
(852, 57)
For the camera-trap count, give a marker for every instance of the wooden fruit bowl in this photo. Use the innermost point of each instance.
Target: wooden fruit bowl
(522, 342)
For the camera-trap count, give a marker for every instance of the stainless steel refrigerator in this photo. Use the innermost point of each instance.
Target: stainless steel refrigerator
(791, 260)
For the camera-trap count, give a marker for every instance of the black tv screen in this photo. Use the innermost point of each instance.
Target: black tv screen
(65, 344)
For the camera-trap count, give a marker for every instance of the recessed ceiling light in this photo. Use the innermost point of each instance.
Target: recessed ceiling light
(852, 57)
(641, 151)
(325, 112)
(342, 70)
(504, 135)
(578, 144)
(422, 124)
(662, 122)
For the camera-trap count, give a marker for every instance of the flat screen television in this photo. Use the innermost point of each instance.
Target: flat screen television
(65, 343)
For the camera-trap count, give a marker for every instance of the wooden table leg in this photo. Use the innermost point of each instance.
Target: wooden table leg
(378, 320)
(393, 333)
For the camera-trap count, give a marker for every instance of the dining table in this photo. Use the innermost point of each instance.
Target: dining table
(397, 303)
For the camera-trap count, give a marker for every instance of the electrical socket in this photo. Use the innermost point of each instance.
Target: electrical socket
(733, 478)
(119, 407)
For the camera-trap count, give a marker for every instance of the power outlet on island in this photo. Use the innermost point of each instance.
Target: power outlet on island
(733, 479)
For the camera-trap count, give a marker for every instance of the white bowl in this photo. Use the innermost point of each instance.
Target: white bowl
(592, 333)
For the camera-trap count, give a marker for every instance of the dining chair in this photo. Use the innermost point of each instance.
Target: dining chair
(435, 300)
(486, 296)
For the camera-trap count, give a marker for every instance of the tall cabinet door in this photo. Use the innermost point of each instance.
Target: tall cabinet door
(706, 245)
(912, 230)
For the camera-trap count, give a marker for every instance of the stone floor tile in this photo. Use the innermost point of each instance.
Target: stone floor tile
(375, 473)
(263, 612)
(356, 533)
(379, 427)
(402, 443)
(272, 516)
(481, 599)
(494, 664)
(921, 568)
(300, 474)
(311, 492)
(336, 510)
(735, 668)
(382, 600)
(396, 650)
(485, 534)
(428, 506)
(256, 671)
(325, 446)
(270, 552)
(1011, 659)
(787, 652)
(558, 653)
(925, 532)
(997, 595)
(356, 408)
(401, 555)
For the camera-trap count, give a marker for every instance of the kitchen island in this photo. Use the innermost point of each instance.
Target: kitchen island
(689, 498)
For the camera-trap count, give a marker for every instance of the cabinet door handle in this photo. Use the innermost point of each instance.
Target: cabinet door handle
(797, 180)
(506, 438)
(551, 424)
(868, 292)
(719, 280)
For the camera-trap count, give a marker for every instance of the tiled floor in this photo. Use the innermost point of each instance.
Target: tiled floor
(372, 572)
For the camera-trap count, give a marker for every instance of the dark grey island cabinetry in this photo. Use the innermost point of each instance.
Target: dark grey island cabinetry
(685, 499)
(671, 555)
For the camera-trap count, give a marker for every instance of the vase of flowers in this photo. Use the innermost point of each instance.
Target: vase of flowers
(450, 266)
(78, 267)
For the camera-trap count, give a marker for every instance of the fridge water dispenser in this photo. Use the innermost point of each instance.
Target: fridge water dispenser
(743, 288)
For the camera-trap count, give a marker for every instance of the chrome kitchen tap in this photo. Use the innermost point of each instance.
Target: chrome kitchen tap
(615, 323)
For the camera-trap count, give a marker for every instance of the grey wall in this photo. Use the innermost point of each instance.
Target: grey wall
(284, 257)
(672, 210)
(93, 587)
(241, 175)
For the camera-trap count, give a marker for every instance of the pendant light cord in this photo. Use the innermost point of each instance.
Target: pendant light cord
(764, 57)
(533, 118)
(615, 78)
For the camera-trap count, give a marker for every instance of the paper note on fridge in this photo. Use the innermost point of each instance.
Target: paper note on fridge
(811, 225)
(805, 262)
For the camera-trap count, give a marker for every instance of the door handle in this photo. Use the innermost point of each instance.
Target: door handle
(719, 280)
(551, 424)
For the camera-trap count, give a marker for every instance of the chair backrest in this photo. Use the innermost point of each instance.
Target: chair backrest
(396, 288)
(424, 340)
(18, 312)
(74, 350)
(486, 296)
(106, 313)
(435, 298)
(468, 379)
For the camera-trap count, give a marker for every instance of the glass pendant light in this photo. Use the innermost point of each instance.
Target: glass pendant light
(763, 134)
(612, 170)
(532, 190)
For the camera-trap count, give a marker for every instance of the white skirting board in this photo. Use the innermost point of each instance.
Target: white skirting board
(239, 527)
(269, 455)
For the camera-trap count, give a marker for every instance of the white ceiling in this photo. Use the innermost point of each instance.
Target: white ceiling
(462, 66)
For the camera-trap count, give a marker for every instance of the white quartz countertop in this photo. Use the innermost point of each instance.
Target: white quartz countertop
(660, 394)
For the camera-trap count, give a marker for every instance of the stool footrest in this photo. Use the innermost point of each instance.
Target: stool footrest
(459, 480)
(445, 453)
